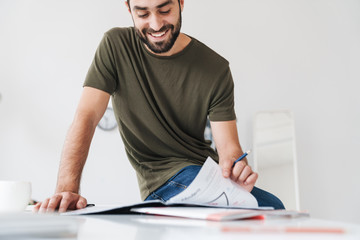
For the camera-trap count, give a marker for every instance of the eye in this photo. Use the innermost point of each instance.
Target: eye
(143, 15)
(165, 12)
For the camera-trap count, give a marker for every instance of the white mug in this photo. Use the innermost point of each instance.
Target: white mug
(14, 195)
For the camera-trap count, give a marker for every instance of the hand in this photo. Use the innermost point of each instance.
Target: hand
(62, 201)
(241, 173)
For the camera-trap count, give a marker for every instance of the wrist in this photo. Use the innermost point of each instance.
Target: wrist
(66, 188)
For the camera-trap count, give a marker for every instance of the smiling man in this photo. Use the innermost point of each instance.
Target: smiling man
(161, 35)
(164, 85)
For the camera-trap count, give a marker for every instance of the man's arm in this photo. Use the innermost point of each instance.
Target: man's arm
(229, 149)
(91, 108)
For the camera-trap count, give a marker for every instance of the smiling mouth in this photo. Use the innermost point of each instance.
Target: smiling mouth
(158, 34)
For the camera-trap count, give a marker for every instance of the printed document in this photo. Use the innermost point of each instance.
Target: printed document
(211, 188)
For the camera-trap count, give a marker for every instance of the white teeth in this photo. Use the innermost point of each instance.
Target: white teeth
(157, 35)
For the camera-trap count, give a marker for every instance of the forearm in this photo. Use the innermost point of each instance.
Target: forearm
(227, 141)
(229, 149)
(91, 108)
(74, 154)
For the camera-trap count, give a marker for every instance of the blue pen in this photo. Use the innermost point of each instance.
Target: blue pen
(241, 157)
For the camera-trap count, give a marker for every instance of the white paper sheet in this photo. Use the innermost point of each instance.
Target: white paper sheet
(211, 188)
(213, 214)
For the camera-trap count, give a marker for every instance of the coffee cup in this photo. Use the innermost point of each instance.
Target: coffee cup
(14, 195)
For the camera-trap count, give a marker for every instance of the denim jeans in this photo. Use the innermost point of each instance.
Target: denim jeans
(177, 183)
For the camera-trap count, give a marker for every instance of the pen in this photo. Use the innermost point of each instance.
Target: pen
(241, 157)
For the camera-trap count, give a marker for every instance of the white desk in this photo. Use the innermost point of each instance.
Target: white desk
(156, 227)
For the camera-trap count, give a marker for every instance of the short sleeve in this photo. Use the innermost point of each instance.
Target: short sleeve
(222, 99)
(102, 72)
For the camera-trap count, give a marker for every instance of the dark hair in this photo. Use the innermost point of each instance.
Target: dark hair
(128, 1)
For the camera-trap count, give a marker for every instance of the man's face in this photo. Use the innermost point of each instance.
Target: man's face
(157, 22)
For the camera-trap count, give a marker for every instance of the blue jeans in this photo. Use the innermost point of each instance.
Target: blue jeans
(177, 183)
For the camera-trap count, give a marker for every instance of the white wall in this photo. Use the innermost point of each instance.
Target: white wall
(302, 55)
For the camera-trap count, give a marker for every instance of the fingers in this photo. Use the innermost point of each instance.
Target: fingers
(49, 204)
(251, 180)
(44, 205)
(68, 202)
(226, 167)
(63, 201)
(240, 172)
(237, 170)
(81, 203)
(54, 203)
(243, 175)
(37, 207)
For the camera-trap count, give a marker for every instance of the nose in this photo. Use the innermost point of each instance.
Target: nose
(156, 22)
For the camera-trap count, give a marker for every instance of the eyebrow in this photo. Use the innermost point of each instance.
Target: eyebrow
(158, 6)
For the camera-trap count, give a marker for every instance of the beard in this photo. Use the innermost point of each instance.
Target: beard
(162, 46)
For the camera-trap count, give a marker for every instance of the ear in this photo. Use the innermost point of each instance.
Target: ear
(127, 6)
(181, 4)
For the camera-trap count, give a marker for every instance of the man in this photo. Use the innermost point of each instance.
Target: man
(164, 84)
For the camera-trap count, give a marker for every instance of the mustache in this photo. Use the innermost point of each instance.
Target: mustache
(162, 29)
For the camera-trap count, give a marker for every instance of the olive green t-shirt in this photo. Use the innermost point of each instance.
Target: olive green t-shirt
(161, 103)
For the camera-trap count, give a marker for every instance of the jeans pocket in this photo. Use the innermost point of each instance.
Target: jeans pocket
(176, 184)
